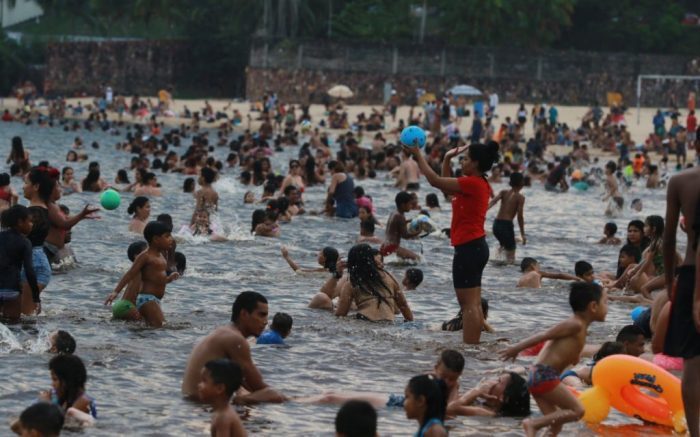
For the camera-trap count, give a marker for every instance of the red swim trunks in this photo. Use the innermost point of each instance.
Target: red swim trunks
(542, 379)
(388, 249)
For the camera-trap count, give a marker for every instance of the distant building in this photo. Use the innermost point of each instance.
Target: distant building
(16, 11)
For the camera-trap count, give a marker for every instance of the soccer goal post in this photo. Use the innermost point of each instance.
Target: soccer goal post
(642, 77)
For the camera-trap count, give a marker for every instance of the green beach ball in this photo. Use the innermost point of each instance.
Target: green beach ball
(110, 199)
(121, 308)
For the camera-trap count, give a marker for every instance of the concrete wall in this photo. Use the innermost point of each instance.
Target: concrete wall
(23, 10)
(302, 71)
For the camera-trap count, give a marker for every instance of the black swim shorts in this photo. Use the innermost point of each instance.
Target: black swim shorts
(504, 231)
(682, 339)
(468, 263)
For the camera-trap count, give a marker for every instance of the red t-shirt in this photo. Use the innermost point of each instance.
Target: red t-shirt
(691, 123)
(469, 209)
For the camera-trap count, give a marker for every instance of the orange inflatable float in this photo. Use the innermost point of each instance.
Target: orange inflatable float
(636, 388)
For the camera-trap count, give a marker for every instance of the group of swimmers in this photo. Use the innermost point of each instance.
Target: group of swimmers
(222, 362)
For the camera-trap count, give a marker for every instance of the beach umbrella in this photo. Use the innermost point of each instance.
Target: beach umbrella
(465, 90)
(427, 97)
(341, 92)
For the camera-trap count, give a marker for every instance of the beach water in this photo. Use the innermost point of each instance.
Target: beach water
(135, 372)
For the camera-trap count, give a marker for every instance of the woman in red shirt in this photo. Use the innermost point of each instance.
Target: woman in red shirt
(471, 193)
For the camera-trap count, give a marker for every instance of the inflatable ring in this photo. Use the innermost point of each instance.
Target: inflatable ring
(636, 388)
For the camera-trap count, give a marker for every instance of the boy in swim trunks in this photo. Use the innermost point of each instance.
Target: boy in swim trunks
(397, 228)
(566, 340)
(512, 203)
(532, 275)
(152, 266)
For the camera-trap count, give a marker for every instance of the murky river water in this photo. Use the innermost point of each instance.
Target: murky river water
(135, 373)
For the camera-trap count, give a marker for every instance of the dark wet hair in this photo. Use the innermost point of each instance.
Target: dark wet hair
(180, 262)
(611, 166)
(367, 226)
(289, 188)
(331, 256)
(358, 192)
(526, 263)
(517, 180)
(70, 370)
(248, 301)
(582, 267)
(92, 177)
(364, 273)
(282, 323)
(13, 215)
(155, 229)
(656, 223)
(258, 217)
(138, 202)
(208, 174)
(17, 148)
(402, 198)
(582, 294)
(609, 348)
(4, 179)
(414, 275)
(135, 249)
(43, 417)
(610, 228)
(166, 219)
(431, 201)
(629, 333)
(486, 155)
(453, 360)
(632, 251)
(65, 343)
(122, 176)
(226, 372)
(356, 419)
(188, 185)
(40, 176)
(435, 393)
(516, 398)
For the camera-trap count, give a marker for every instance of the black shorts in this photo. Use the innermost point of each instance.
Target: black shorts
(504, 231)
(682, 339)
(468, 263)
(412, 186)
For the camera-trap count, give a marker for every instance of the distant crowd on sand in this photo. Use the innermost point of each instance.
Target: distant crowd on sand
(338, 153)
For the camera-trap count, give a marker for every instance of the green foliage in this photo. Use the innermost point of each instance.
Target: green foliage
(14, 62)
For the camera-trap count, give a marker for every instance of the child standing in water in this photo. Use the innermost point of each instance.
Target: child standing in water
(566, 341)
(396, 229)
(219, 381)
(152, 266)
(206, 197)
(140, 209)
(512, 203)
(7, 195)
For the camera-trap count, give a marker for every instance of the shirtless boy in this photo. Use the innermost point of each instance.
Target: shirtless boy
(151, 266)
(248, 318)
(408, 173)
(532, 275)
(683, 335)
(512, 203)
(219, 381)
(397, 228)
(565, 343)
(612, 190)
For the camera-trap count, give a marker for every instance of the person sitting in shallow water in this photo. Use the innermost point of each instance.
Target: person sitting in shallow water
(373, 290)
(329, 260)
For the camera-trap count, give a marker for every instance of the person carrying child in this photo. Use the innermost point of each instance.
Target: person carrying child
(566, 340)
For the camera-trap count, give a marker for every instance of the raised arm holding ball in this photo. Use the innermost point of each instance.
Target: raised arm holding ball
(471, 193)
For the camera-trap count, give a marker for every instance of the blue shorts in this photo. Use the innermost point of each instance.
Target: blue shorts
(143, 299)
(396, 401)
(8, 295)
(42, 268)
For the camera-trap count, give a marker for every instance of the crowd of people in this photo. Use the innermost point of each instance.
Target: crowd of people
(36, 240)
